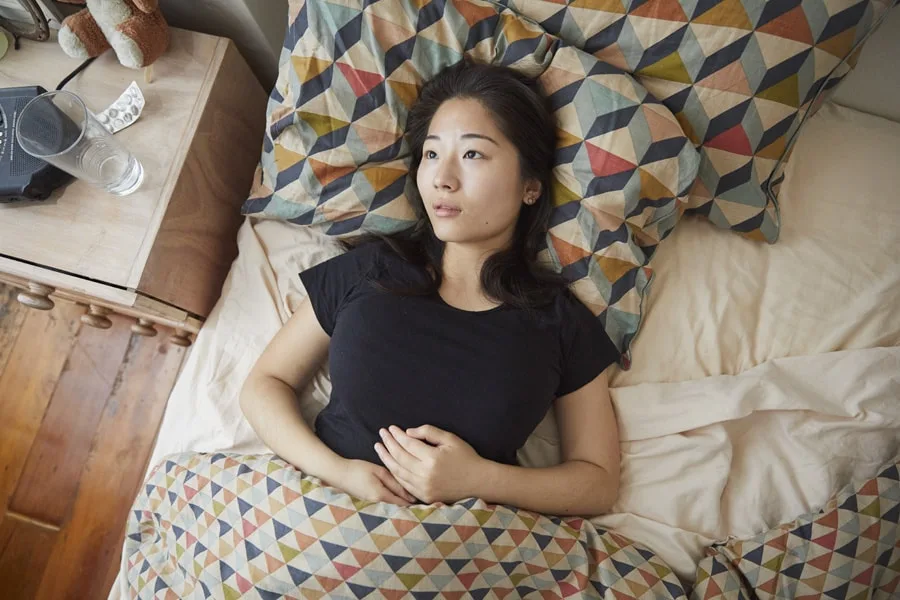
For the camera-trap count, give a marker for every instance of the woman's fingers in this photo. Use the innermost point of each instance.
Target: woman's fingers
(397, 452)
(396, 487)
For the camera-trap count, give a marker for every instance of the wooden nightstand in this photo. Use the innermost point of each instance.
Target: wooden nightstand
(161, 254)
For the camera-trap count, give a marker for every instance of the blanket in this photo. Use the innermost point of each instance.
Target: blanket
(251, 526)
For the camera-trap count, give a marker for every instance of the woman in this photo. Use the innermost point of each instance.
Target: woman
(448, 345)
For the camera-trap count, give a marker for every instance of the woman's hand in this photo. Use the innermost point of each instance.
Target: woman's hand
(368, 481)
(445, 469)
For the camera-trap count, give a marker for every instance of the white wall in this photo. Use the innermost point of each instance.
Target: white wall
(256, 26)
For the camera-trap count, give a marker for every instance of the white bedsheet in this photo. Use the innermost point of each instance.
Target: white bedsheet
(764, 376)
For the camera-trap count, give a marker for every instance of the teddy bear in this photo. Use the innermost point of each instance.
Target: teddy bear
(135, 29)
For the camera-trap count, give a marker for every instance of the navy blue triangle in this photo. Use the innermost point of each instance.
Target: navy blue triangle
(663, 149)
(755, 556)
(804, 532)
(206, 593)
(612, 121)
(794, 571)
(298, 576)
(840, 592)
(456, 564)
(243, 469)
(225, 571)
(850, 504)
(198, 512)
(135, 537)
(723, 57)
(272, 485)
(726, 120)
(189, 476)
(524, 590)
(840, 22)
(773, 10)
(360, 591)
(145, 566)
(775, 131)
(893, 515)
(172, 497)
(560, 574)
(542, 540)
(554, 23)
(604, 38)
(160, 584)
(718, 567)
(736, 178)
(243, 506)
(479, 594)
(396, 562)
(424, 595)
(252, 551)
(492, 533)
(849, 549)
(662, 48)
(169, 465)
(783, 70)
(674, 590)
(509, 567)
(371, 521)
(198, 548)
(312, 506)
(148, 489)
(882, 560)
(217, 457)
(623, 568)
(178, 531)
(267, 595)
(216, 488)
(224, 527)
(346, 225)
(892, 473)
(435, 530)
(281, 529)
(332, 550)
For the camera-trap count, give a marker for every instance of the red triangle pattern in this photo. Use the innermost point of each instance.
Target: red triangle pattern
(604, 163)
(360, 81)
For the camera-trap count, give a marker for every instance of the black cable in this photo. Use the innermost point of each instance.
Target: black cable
(78, 70)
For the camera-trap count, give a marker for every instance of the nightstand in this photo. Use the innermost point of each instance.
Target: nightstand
(161, 254)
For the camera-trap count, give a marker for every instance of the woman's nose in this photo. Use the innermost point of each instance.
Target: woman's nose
(445, 178)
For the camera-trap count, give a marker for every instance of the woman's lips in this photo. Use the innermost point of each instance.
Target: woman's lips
(446, 210)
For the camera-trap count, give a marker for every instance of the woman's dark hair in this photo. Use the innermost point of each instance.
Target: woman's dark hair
(520, 110)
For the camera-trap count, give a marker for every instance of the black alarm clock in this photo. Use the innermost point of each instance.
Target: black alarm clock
(22, 176)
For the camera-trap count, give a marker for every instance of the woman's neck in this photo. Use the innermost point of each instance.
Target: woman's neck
(461, 283)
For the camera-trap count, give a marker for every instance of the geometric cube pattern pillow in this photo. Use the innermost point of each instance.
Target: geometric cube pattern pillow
(335, 155)
(252, 526)
(623, 170)
(850, 550)
(740, 76)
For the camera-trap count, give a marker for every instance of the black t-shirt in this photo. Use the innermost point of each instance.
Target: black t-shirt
(489, 377)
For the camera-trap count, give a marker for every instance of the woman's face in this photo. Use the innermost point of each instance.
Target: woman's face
(469, 178)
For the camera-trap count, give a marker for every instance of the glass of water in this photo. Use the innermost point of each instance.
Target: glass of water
(57, 127)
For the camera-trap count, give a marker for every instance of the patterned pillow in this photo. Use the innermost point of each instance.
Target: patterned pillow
(740, 75)
(334, 153)
(252, 526)
(849, 549)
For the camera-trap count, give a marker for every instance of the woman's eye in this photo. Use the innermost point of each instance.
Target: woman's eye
(430, 154)
(472, 154)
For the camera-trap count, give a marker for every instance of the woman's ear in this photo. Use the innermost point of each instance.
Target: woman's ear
(532, 191)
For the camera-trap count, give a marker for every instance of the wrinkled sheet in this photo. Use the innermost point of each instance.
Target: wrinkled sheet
(807, 330)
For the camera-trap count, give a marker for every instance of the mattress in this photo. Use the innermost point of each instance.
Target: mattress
(764, 377)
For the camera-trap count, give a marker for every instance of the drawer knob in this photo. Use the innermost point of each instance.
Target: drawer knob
(181, 338)
(96, 317)
(37, 296)
(144, 327)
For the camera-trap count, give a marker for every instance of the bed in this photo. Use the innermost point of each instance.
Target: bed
(764, 380)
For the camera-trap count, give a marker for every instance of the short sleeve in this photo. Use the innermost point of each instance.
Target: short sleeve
(586, 347)
(329, 283)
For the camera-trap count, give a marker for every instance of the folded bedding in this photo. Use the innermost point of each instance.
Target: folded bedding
(226, 525)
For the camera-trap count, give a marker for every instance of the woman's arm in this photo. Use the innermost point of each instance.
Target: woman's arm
(586, 483)
(269, 401)
(270, 405)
